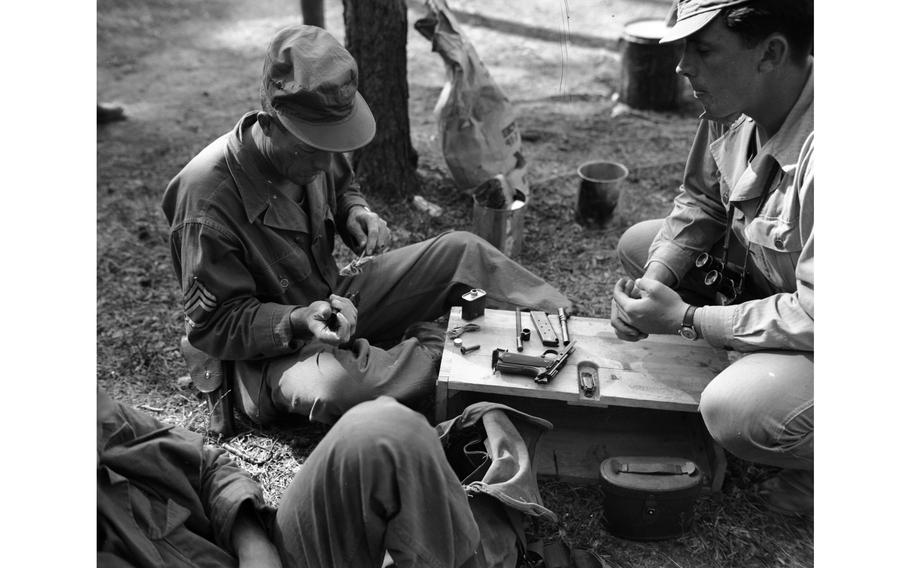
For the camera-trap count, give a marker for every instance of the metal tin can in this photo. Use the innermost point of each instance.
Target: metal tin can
(473, 304)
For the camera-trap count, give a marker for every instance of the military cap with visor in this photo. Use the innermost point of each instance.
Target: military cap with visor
(309, 81)
(689, 16)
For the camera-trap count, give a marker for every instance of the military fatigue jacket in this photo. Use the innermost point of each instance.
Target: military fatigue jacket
(165, 499)
(779, 236)
(247, 255)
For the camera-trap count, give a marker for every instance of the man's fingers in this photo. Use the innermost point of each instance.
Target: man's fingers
(345, 308)
(358, 236)
(341, 326)
(620, 296)
(321, 309)
(384, 236)
(635, 336)
(649, 286)
(623, 327)
(632, 289)
(620, 321)
(343, 304)
(619, 289)
(372, 230)
(617, 313)
(625, 331)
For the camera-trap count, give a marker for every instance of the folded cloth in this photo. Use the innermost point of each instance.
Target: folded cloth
(490, 446)
(504, 468)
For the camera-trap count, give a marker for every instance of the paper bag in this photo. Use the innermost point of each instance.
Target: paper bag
(477, 123)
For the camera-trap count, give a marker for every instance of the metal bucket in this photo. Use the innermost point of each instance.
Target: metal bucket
(648, 78)
(503, 228)
(599, 190)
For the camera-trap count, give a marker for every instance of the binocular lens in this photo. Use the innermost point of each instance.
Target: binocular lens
(702, 260)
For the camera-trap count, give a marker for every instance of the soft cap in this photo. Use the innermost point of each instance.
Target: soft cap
(689, 16)
(310, 81)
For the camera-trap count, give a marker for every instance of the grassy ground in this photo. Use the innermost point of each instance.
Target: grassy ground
(185, 70)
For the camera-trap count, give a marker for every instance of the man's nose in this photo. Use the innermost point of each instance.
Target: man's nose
(684, 66)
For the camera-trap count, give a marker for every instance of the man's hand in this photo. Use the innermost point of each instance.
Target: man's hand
(368, 230)
(648, 306)
(332, 322)
(253, 547)
(619, 319)
(345, 310)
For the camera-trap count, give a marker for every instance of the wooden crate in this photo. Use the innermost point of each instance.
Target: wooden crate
(646, 402)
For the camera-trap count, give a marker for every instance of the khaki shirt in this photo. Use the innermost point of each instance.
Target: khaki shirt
(780, 236)
(245, 254)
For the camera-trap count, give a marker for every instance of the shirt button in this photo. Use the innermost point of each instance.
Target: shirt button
(274, 197)
(284, 282)
(779, 243)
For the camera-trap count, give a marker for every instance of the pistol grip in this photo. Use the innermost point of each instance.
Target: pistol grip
(519, 369)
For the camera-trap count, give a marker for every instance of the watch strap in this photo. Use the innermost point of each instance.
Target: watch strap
(687, 329)
(689, 317)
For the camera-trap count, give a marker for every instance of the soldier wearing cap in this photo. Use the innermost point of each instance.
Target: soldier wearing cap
(253, 223)
(745, 209)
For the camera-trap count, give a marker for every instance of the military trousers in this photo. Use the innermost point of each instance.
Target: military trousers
(761, 407)
(394, 352)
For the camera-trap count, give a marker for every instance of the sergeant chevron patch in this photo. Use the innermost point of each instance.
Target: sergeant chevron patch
(198, 302)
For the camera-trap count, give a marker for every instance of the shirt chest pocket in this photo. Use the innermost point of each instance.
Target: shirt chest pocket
(283, 263)
(776, 247)
(775, 235)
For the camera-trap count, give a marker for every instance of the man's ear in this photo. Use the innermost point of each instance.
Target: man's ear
(775, 51)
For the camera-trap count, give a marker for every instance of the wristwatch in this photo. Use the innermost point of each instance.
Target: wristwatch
(687, 329)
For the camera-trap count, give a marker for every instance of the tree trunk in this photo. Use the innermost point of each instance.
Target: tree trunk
(313, 13)
(376, 34)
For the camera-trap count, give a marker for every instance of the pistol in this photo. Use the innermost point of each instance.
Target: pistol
(541, 367)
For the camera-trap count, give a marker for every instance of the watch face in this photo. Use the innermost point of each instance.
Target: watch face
(688, 333)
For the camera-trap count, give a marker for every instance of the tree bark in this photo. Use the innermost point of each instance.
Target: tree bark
(376, 34)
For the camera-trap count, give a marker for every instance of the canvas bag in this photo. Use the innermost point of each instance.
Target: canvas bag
(477, 123)
(490, 447)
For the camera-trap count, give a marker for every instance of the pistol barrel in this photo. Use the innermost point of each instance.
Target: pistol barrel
(564, 325)
(518, 343)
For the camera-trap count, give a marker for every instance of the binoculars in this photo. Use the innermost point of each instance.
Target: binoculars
(717, 277)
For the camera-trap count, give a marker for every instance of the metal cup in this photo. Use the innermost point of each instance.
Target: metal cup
(598, 192)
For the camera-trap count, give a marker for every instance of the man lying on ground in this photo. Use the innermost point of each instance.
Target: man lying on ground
(378, 485)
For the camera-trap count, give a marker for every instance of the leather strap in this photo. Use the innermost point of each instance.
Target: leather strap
(687, 468)
(689, 317)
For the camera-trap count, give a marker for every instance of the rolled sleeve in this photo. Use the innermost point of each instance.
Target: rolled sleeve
(225, 488)
(715, 324)
(698, 218)
(676, 259)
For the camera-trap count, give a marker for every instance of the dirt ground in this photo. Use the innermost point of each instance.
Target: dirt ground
(185, 70)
